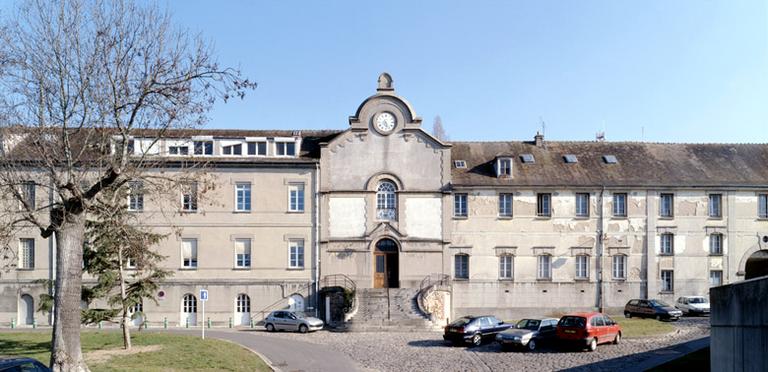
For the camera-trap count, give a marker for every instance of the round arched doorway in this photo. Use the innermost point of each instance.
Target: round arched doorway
(385, 264)
(757, 265)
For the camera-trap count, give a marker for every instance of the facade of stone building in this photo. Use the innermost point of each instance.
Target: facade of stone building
(516, 227)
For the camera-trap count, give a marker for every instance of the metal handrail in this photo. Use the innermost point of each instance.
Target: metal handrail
(344, 282)
(268, 309)
(434, 279)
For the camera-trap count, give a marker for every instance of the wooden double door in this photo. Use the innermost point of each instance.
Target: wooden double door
(385, 265)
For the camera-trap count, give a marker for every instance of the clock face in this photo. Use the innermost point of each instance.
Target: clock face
(385, 122)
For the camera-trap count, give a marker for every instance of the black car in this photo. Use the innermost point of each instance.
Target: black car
(529, 333)
(13, 364)
(474, 329)
(651, 309)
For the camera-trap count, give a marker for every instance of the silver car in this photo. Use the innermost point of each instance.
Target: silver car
(529, 333)
(693, 305)
(292, 321)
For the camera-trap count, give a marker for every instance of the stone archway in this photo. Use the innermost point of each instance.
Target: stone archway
(756, 265)
(385, 264)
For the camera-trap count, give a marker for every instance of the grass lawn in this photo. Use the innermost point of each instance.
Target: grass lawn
(695, 361)
(640, 327)
(162, 352)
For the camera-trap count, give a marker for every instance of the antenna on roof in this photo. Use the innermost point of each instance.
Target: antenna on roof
(642, 134)
(600, 136)
(543, 126)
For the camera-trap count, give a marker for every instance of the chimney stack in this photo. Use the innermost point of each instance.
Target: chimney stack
(539, 139)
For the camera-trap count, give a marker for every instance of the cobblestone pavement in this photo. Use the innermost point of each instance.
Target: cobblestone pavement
(426, 351)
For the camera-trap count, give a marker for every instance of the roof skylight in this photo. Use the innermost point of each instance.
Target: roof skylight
(527, 158)
(610, 159)
(571, 158)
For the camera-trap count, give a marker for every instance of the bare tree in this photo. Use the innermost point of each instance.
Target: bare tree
(78, 80)
(437, 129)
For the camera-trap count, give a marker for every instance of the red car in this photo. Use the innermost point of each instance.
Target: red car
(587, 330)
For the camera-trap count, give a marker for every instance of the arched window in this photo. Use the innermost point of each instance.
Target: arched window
(386, 201)
(189, 304)
(243, 303)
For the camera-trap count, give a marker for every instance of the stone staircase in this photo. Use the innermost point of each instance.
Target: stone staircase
(389, 310)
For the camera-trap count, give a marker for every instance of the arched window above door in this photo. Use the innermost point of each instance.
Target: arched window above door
(386, 200)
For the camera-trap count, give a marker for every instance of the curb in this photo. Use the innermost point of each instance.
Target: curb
(260, 355)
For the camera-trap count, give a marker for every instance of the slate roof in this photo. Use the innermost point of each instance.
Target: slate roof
(639, 164)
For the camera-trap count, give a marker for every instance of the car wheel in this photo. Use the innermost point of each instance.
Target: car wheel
(477, 339)
(658, 317)
(270, 327)
(303, 328)
(593, 344)
(627, 314)
(617, 339)
(532, 345)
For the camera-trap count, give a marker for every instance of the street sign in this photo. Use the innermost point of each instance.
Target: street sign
(203, 295)
(203, 298)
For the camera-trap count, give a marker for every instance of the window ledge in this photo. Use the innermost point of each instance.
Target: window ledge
(666, 254)
(715, 255)
(543, 279)
(619, 279)
(460, 279)
(762, 218)
(581, 217)
(242, 268)
(667, 292)
(715, 218)
(618, 217)
(543, 217)
(188, 212)
(188, 269)
(135, 210)
(580, 279)
(241, 212)
(25, 269)
(460, 217)
(506, 279)
(666, 218)
(295, 268)
(294, 212)
(504, 218)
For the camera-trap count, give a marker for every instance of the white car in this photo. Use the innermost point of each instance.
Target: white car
(693, 305)
(292, 321)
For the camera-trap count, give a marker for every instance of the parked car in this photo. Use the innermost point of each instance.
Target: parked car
(651, 309)
(529, 333)
(13, 364)
(693, 305)
(587, 330)
(474, 329)
(292, 321)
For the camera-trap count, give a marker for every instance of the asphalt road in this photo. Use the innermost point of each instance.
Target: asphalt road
(286, 354)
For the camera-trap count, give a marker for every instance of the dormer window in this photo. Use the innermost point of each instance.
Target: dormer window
(236, 149)
(610, 159)
(527, 158)
(203, 147)
(178, 150)
(284, 148)
(570, 158)
(503, 167)
(460, 164)
(257, 148)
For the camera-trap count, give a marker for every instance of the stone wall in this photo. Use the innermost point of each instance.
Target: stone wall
(739, 336)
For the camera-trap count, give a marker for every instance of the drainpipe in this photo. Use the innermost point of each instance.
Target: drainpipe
(644, 260)
(599, 247)
(316, 245)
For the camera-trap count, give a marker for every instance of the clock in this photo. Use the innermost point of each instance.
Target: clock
(385, 122)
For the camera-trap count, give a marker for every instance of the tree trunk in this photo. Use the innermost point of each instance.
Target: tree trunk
(126, 318)
(66, 354)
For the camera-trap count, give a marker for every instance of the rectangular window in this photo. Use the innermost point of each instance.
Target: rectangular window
(26, 253)
(460, 205)
(203, 147)
(667, 281)
(715, 205)
(505, 205)
(582, 204)
(130, 263)
(667, 246)
(666, 205)
(27, 191)
(232, 149)
(178, 150)
(257, 148)
(582, 266)
(762, 209)
(544, 267)
(135, 196)
(242, 253)
(461, 266)
(505, 267)
(189, 197)
(716, 244)
(620, 267)
(243, 196)
(620, 205)
(296, 198)
(296, 254)
(504, 167)
(285, 148)
(715, 278)
(189, 253)
(544, 205)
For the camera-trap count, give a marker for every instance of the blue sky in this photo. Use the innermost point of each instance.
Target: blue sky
(667, 71)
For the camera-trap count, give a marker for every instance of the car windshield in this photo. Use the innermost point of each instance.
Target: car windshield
(573, 321)
(300, 314)
(461, 322)
(697, 300)
(658, 303)
(531, 324)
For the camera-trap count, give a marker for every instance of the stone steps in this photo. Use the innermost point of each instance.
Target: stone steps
(389, 310)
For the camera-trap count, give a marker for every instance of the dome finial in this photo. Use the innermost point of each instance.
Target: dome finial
(385, 82)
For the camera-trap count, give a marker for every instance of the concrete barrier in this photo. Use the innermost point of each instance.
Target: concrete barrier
(739, 318)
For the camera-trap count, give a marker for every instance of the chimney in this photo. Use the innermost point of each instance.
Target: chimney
(539, 139)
